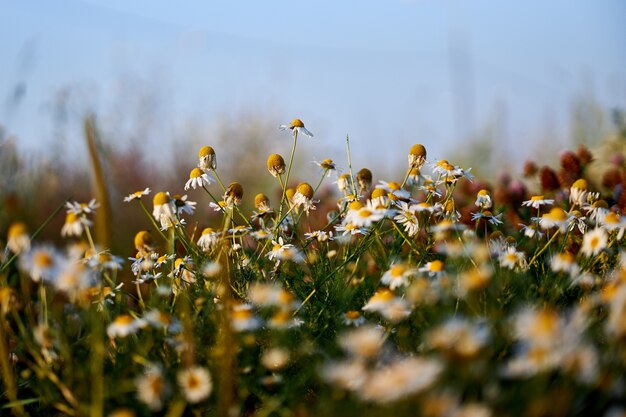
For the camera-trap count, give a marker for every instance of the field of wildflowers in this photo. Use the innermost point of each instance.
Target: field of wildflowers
(435, 294)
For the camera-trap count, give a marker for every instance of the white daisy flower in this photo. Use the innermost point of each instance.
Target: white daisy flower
(195, 383)
(537, 201)
(511, 258)
(243, 318)
(285, 252)
(41, 263)
(82, 208)
(397, 276)
(407, 217)
(394, 189)
(74, 225)
(152, 388)
(206, 158)
(198, 178)
(594, 241)
(483, 200)
(297, 126)
(208, 239)
(136, 195)
(18, 239)
(124, 325)
(303, 197)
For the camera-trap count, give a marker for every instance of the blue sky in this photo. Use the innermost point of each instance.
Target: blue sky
(384, 71)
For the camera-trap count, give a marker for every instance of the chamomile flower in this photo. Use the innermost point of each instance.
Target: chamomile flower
(353, 318)
(303, 197)
(206, 158)
(434, 268)
(243, 318)
(564, 262)
(417, 156)
(275, 359)
(385, 303)
(144, 243)
(364, 180)
(555, 218)
(530, 231)
(450, 173)
(271, 295)
(74, 225)
(195, 383)
(124, 325)
(74, 279)
(283, 319)
(364, 215)
(350, 229)
(397, 276)
(511, 258)
(394, 190)
(613, 221)
(208, 239)
(42, 263)
(364, 341)
(459, 336)
(407, 217)
(594, 242)
(198, 178)
(137, 195)
(297, 127)
(82, 208)
(399, 379)
(163, 209)
(597, 211)
(152, 388)
(285, 252)
(578, 192)
(18, 239)
(220, 206)
(319, 235)
(233, 194)
(262, 234)
(536, 201)
(489, 217)
(182, 205)
(327, 165)
(430, 188)
(276, 165)
(483, 200)
(343, 183)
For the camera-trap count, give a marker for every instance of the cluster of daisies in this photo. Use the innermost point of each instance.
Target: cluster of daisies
(424, 290)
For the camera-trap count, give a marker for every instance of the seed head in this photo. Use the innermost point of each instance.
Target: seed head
(276, 164)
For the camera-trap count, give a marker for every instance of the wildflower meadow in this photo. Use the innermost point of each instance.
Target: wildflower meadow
(434, 294)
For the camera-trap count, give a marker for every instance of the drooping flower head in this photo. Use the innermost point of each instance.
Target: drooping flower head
(206, 157)
(234, 193)
(297, 127)
(276, 165)
(417, 156)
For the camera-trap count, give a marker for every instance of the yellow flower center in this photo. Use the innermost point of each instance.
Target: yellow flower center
(436, 266)
(611, 218)
(364, 213)
(195, 173)
(205, 151)
(42, 259)
(71, 218)
(393, 186)
(353, 315)
(397, 270)
(16, 230)
(556, 214)
(160, 198)
(306, 190)
(297, 123)
(581, 184)
(207, 230)
(123, 320)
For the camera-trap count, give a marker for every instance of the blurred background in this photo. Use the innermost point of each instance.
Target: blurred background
(485, 84)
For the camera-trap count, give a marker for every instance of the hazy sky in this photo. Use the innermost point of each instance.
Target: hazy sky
(389, 73)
